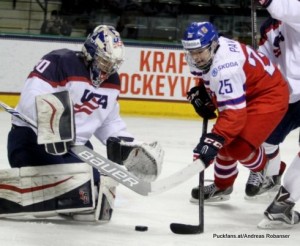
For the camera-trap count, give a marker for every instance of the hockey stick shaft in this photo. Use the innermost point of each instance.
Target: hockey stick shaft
(178, 228)
(18, 115)
(254, 24)
(201, 185)
(117, 172)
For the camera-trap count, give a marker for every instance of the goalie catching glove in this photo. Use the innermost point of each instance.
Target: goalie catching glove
(141, 159)
(201, 102)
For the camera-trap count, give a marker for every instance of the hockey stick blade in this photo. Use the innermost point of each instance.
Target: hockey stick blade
(178, 228)
(117, 172)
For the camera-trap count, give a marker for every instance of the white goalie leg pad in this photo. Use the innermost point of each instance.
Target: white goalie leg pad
(104, 203)
(106, 199)
(145, 160)
(55, 124)
(46, 190)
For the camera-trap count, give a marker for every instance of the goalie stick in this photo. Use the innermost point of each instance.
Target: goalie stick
(178, 228)
(117, 172)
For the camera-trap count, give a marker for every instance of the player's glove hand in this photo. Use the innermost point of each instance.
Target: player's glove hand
(201, 102)
(116, 150)
(264, 3)
(208, 148)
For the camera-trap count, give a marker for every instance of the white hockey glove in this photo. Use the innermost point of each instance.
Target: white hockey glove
(142, 159)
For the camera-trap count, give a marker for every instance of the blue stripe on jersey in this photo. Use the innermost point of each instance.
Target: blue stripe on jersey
(232, 102)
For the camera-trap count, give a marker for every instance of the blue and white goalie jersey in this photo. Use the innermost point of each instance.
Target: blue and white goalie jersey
(96, 109)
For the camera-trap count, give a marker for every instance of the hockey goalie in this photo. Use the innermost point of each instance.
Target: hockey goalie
(72, 96)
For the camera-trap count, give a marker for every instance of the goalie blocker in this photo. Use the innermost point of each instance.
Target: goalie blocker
(55, 125)
(45, 191)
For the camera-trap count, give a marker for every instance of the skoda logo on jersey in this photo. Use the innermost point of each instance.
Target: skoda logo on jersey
(214, 72)
(227, 65)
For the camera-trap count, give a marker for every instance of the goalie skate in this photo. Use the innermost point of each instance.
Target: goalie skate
(280, 213)
(266, 223)
(211, 194)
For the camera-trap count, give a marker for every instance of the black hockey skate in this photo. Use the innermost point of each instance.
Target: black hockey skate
(258, 183)
(280, 213)
(211, 194)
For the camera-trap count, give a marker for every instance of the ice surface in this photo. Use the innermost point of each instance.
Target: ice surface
(178, 137)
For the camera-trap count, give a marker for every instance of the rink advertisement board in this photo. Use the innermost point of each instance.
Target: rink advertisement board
(156, 75)
(153, 73)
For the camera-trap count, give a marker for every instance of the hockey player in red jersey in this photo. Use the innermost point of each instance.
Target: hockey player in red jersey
(73, 96)
(251, 97)
(279, 42)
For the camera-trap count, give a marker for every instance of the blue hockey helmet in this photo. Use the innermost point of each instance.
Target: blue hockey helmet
(104, 52)
(200, 41)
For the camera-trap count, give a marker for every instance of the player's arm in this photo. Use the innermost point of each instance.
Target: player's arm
(34, 86)
(39, 82)
(268, 33)
(286, 11)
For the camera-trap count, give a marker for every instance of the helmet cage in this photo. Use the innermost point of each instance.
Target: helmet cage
(210, 48)
(106, 63)
(104, 52)
(200, 37)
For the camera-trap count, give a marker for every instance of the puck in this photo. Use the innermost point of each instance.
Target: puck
(141, 228)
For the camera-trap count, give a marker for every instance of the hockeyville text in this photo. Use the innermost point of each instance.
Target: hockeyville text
(160, 85)
(157, 74)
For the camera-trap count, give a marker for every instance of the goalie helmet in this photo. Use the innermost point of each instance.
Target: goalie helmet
(200, 41)
(104, 52)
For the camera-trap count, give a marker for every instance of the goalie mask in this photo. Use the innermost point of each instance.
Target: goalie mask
(104, 52)
(200, 42)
